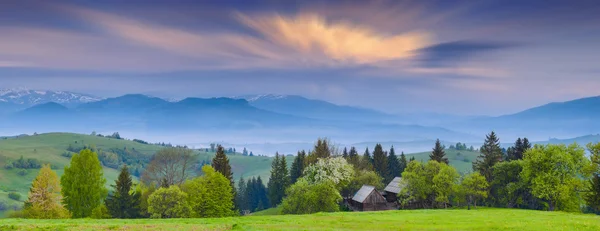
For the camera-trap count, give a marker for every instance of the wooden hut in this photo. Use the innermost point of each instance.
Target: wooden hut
(392, 189)
(368, 199)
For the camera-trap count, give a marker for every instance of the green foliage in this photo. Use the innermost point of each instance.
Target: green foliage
(555, 173)
(322, 149)
(44, 197)
(438, 154)
(209, 195)
(353, 157)
(394, 166)
(22, 163)
(256, 195)
(83, 184)
(474, 186)
(491, 153)
(428, 185)
(380, 161)
(593, 196)
(101, 212)
(360, 178)
(14, 195)
(304, 198)
(297, 167)
(516, 152)
(366, 162)
(278, 181)
(169, 202)
(221, 164)
(123, 202)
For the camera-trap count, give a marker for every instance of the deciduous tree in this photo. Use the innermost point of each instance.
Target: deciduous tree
(83, 184)
(169, 202)
(170, 166)
(209, 195)
(44, 197)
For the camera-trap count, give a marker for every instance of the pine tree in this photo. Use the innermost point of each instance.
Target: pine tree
(321, 150)
(123, 202)
(438, 154)
(83, 184)
(491, 153)
(412, 158)
(345, 153)
(279, 180)
(241, 199)
(297, 167)
(403, 163)
(593, 196)
(366, 162)
(353, 157)
(380, 163)
(393, 166)
(221, 164)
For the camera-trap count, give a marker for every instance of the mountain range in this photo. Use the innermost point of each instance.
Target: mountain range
(277, 119)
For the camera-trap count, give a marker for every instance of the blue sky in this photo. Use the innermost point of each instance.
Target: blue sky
(459, 57)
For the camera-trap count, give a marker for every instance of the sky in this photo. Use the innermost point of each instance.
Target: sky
(456, 57)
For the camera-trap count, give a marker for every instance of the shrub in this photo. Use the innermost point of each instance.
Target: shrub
(22, 172)
(14, 196)
(100, 212)
(169, 203)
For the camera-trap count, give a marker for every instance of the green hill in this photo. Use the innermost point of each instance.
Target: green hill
(462, 160)
(49, 148)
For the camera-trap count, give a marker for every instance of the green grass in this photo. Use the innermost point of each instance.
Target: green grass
(482, 219)
(47, 148)
(268, 212)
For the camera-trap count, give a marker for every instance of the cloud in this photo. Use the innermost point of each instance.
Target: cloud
(452, 53)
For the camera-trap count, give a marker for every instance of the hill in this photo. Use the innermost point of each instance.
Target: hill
(461, 160)
(49, 148)
(443, 219)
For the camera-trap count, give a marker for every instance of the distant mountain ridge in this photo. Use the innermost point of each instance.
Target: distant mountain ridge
(28, 98)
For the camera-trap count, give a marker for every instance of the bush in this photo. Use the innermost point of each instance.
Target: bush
(3, 206)
(22, 172)
(169, 203)
(100, 212)
(14, 196)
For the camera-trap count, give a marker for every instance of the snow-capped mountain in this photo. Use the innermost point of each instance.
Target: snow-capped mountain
(26, 97)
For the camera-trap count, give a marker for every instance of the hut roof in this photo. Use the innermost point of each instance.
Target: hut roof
(363, 193)
(394, 186)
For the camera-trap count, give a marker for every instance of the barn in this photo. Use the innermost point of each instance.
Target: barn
(392, 189)
(368, 199)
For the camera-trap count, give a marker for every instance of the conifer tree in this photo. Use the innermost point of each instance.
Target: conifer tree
(403, 163)
(44, 197)
(322, 149)
(353, 157)
(279, 180)
(438, 154)
(593, 196)
(241, 199)
(491, 153)
(297, 167)
(393, 166)
(221, 164)
(83, 184)
(345, 153)
(380, 163)
(412, 158)
(123, 203)
(366, 162)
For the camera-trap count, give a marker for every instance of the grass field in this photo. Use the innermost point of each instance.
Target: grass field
(482, 219)
(461, 160)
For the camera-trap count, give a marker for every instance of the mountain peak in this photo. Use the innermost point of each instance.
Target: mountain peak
(27, 97)
(254, 98)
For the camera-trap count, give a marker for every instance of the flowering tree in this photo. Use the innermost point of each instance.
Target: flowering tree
(334, 170)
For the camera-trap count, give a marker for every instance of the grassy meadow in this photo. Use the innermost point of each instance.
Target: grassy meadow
(480, 219)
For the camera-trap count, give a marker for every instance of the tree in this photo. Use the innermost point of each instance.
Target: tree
(380, 163)
(366, 162)
(279, 180)
(124, 202)
(360, 178)
(403, 163)
(331, 170)
(516, 152)
(445, 184)
(169, 166)
(221, 164)
(345, 153)
(304, 198)
(297, 167)
(438, 154)
(353, 157)
(557, 174)
(394, 167)
(474, 186)
(507, 186)
(83, 184)
(209, 195)
(241, 199)
(322, 149)
(44, 197)
(169, 202)
(491, 153)
(256, 194)
(593, 196)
